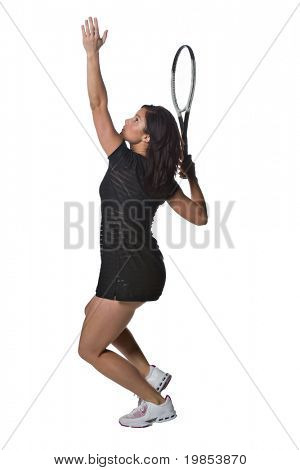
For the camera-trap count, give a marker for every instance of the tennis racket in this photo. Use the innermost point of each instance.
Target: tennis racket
(187, 107)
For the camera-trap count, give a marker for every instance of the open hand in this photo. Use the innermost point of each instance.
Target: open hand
(90, 36)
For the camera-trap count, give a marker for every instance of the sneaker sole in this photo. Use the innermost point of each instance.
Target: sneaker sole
(158, 420)
(168, 418)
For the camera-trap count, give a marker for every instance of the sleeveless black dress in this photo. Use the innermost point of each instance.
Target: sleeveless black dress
(132, 266)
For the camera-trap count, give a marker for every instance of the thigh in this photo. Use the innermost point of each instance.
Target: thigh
(90, 304)
(95, 300)
(105, 320)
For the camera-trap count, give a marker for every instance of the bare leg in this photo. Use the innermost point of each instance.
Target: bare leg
(128, 346)
(104, 322)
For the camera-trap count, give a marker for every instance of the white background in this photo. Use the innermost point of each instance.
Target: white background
(227, 324)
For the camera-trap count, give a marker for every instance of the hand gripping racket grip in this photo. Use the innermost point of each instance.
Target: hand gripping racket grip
(188, 163)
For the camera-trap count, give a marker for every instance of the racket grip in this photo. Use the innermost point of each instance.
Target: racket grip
(188, 158)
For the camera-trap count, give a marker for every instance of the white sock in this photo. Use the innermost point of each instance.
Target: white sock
(150, 372)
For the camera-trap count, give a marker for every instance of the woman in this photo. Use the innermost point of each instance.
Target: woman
(138, 180)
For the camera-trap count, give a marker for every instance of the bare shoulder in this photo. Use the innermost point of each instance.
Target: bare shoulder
(108, 137)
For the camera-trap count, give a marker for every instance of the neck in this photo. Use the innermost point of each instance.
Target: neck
(137, 148)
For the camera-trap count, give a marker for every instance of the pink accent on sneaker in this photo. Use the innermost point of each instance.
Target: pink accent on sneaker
(138, 413)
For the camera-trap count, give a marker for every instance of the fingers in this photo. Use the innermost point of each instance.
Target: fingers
(92, 27)
(96, 27)
(104, 36)
(87, 28)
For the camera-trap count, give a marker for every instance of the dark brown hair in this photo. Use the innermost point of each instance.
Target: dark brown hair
(164, 150)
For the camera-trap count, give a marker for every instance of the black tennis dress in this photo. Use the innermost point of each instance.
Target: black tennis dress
(132, 265)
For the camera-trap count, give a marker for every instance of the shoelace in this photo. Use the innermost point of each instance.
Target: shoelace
(138, 407)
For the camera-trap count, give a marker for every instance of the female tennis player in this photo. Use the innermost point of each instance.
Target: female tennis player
(138, 180)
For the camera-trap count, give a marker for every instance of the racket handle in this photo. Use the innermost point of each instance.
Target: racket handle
(188, 158)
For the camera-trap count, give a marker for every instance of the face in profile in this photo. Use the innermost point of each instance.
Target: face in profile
(133, 130)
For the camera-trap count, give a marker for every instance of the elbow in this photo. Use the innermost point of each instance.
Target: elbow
(94, 104)
(201, 221)
(202, 217)
(97, 104)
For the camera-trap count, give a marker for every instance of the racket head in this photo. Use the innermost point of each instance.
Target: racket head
(187, 107)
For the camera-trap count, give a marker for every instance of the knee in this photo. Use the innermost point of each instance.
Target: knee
(88, 354)
(88, 306)
(85, 353)
(82, 352)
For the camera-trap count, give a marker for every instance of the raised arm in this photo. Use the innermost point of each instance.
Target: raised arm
(109, 138)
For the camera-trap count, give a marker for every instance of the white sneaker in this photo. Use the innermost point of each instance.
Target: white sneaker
(148, 413)
(157, 378)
